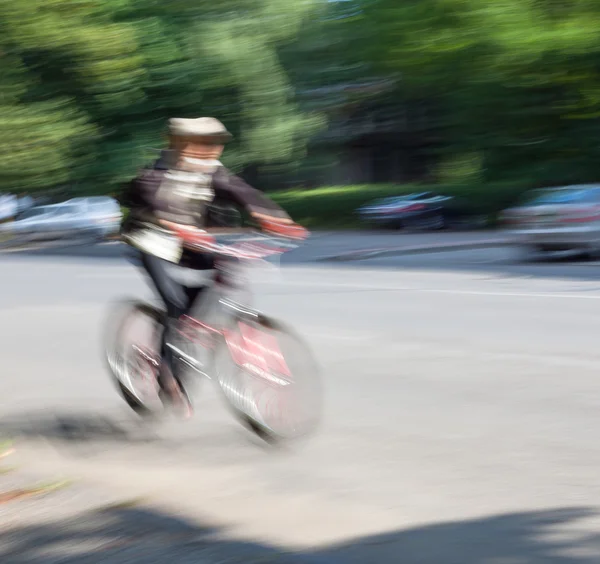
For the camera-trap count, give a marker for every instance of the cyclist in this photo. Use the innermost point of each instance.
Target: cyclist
(176, 192)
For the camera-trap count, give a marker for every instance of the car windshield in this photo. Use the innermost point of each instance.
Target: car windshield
(561, 196)
(396, 199)
(67, 210)
(106, 206)
(34, 212)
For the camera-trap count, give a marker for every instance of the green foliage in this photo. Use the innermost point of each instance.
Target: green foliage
(38, 144)
(333, 206)
(87, 87)
(499, 93)
(336, 206)
(461, 168)
(513, 80)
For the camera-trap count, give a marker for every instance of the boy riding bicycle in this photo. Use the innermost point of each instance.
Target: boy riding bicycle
(175, 195)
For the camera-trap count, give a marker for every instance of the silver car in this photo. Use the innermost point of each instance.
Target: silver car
(557, 219)
(101, 215)
(80, 217)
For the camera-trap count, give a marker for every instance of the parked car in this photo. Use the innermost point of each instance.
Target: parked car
(424, 210)
(102, 213)
(80, 217)
(8, 206)
(557, 219)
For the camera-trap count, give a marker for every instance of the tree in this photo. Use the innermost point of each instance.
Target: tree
(514, 81)
(87, 86)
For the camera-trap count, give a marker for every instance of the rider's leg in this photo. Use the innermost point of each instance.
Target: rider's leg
(177, 302)
(196, 293)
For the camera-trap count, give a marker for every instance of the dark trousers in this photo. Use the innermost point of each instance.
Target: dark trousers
(178, 299)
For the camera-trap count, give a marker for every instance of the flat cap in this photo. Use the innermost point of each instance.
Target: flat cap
(199, 127)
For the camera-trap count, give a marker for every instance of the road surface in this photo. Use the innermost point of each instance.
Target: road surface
(462, 408)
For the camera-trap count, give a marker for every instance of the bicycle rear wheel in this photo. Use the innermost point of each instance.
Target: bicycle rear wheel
(132, 345)
(269, 378)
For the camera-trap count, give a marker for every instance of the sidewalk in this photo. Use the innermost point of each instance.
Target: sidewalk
(46, 519)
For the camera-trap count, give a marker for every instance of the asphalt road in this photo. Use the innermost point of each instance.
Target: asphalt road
(462, 416)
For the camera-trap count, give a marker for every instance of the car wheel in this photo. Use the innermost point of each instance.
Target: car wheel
(591, 254)
(424, 224)
(531, 253)
(435, 223)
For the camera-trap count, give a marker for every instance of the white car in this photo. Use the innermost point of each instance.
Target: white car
(557, 219)
(80, 217)
(8, 206)
(102, 214)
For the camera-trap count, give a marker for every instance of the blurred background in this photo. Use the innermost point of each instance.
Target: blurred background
(374, 98)
(437, 149)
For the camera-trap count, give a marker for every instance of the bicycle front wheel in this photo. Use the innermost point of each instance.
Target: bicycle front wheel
(270, 378)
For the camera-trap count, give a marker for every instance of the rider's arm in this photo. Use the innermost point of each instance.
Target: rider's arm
(234, 189)
(230, 187)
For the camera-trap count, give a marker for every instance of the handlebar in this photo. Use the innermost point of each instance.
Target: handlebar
(243, 243)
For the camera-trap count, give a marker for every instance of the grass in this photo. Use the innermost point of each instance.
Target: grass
(335, 206)
(40, 489)
(332, 206)
(6, 448)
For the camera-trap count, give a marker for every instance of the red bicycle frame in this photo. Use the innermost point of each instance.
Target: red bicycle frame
(250, 348)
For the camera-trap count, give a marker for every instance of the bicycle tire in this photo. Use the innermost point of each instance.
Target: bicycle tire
(239, 387)
(122, 312)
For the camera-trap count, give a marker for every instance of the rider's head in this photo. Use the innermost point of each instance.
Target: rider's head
(201, 138)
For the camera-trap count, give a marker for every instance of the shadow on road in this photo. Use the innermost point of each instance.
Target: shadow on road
(120, 535)
(74, 429)
(90, 434)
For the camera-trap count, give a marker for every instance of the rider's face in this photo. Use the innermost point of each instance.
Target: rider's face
(197, 148)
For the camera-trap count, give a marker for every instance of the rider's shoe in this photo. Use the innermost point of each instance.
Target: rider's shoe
(178, 401)
(173, 395)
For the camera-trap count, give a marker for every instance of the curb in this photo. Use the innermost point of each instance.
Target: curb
(420, 249)
(49, 245)
(361, 254)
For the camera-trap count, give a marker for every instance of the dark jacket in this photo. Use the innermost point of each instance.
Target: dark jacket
(148, 203)
(150, 199)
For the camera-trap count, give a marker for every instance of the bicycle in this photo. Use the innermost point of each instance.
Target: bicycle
(264, 370)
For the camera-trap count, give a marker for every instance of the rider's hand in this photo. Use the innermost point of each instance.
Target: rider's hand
(190, 234)
(260, 217)
(284, 226)
(176, 226)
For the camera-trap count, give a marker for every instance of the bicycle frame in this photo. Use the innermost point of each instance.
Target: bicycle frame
(252, 350)
(222, 337)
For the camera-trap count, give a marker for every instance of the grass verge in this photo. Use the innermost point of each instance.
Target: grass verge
(6, 449)
(40, 489)
(335, 207)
